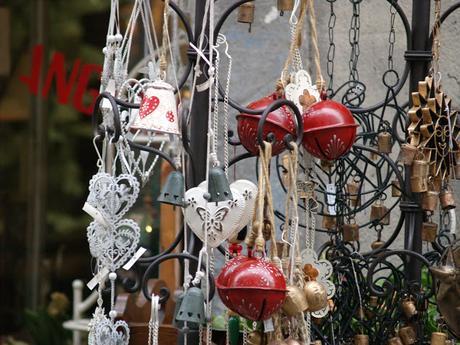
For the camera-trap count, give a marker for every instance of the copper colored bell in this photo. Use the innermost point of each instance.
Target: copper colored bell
(246, 12)
(429, 231)
(395, 188)
(418, 184)
(361, 339)
(295, 302)
(316, 295)
(353, 193)
(430, 200)
(285, 5)
(420, 168)
(409, 308)
(373, 301)
(395, 341)
(407, 153)
(438, 338)
(350, 232)
(384, 142)
(377, 211)
(447, 199)
(385, 220)
(377, 244)
(254, 338)
(407, 335)
(437, 183)
(329, 222)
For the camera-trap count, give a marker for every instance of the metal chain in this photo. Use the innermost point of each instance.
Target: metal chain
(353, 37)
(331, 49)
(391, 36)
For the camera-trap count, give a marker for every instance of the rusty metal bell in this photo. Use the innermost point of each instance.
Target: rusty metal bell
(418, 184)
(361, 339)
(285, 5)
(380, 213)
(246, 12)
(447, 199)
(384, 142)
(295, 302)
(430, 200)
(420, 167)
(429, 231)
(409, 308)
(316, 295)
(350, 232)
(408, 335)
(395, 188)
(377, 244)
(407, 154)
(438, 338)
(395, 341)
(353, 193)
(329, 222)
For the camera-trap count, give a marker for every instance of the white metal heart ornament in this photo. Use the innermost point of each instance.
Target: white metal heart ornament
(113, 245)
(220, 220)
(300, 84)
(104, 331)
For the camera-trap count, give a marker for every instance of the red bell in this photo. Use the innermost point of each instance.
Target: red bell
(251, 287)
(329, 130)
(279, 122)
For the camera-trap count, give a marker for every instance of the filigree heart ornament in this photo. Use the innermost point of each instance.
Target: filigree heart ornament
(249, 192)
(221, 220)
(112, 196)
(299, 88)
(106, 332)
(113, 245)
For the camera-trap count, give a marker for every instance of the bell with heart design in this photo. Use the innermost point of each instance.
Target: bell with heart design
(172, 192)
(429, 231)
(192, 307)
(361, 339)
(407, 154)
(158, 109)
(384, 142)
(218, 186)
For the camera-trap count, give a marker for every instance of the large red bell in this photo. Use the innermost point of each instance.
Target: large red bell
(279, 122)
(329, 130)
(251, 287)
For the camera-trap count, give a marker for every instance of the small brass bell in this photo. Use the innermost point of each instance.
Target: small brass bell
(218, 186)
(329, 222)
(316, 295)
(418, 184)
(192, 307)
(407, 153)
(172, 192)
(377, 211)
(447, 199)
(438, 338)
(409, 308)
(353, 193)
(430, 200)
(285, 5)
(407, 335)
(395, 341)
(420, 168)
(384, 143)
(373, 301)
(361, 339)
(295, 302)
(246, 13)
(254, 338)
(429, 231)
(395, 188)
(377, 244)
(350, 232)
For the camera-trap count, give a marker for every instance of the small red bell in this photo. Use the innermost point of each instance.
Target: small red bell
(251, 287)
(329, 130)
(279, 122)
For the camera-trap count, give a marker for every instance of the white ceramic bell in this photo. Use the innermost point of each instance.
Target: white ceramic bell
(158, 109)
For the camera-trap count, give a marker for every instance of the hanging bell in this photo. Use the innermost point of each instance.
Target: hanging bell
(285, 5)
(218, 186)
(447, 199)
(246, 13)
(418, 184)
(361, 339)
(295, 302)
(254, 338)
(407, 335)
(329, 222)
(395, 188)
(353, 193)
(373, 301)
(377, 244)
(158, 109)
(420, 168)
(350, 232)
(430, 200)
(385, 219)
(429, 231)
(438, 338)
(437, 183)
(178, 299)
(172, 192)
(407, 154)
(395, 341)
(192, 307)
(316, 295)
(384, 143)
(409, 308)
(377, 211)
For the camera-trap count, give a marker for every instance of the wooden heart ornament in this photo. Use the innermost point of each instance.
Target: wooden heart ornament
(220, 220)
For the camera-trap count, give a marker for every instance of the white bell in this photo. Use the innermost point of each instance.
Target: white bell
(158, 109)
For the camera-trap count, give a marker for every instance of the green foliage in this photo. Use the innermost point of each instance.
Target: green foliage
(45, 329)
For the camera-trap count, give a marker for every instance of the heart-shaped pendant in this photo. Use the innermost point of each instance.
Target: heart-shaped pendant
(302, 91)
(113, 245)
(104, 331)
(112, 196)
(249, 192)
(220, 220)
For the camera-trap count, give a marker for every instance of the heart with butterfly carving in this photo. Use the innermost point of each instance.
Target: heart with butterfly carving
(106, 332)
(113, 245)
(112, 196)
(220, 220)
